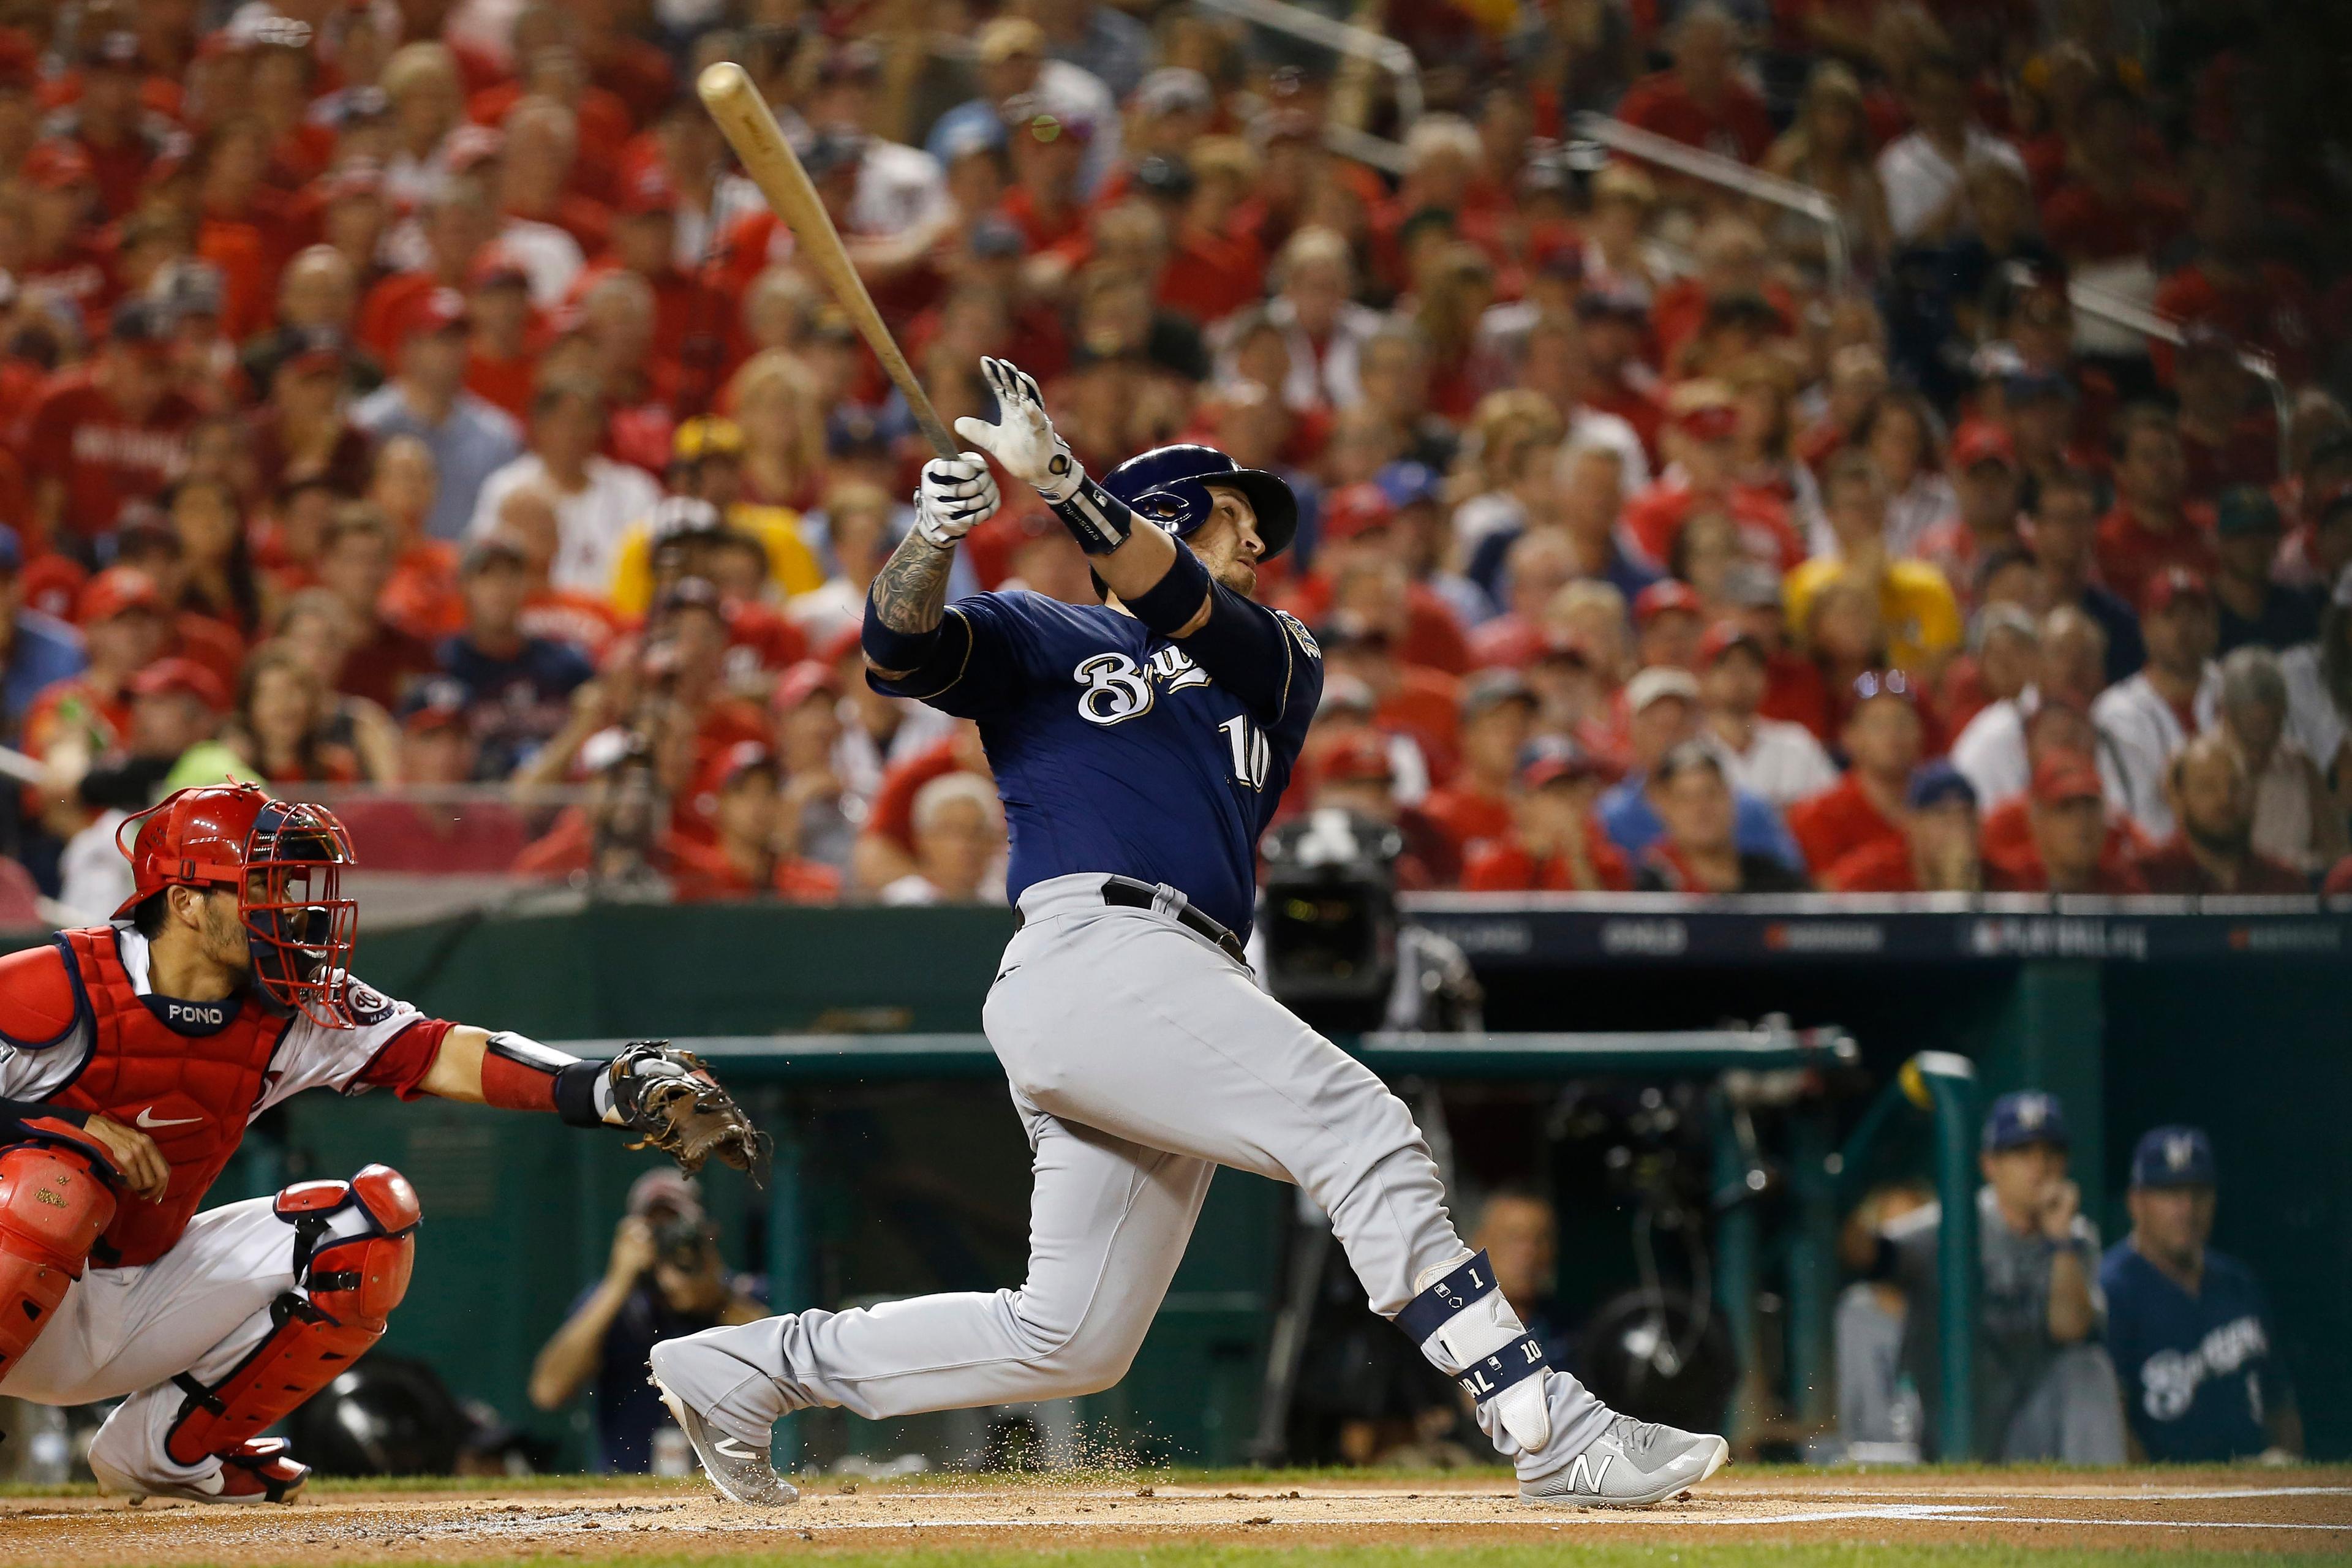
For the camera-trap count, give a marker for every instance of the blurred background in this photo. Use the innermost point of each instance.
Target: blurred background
(1830, 524)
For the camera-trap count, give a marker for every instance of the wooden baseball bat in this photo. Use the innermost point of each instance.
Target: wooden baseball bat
(743, 118)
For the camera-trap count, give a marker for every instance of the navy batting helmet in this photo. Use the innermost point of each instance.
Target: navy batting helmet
(1169, 486)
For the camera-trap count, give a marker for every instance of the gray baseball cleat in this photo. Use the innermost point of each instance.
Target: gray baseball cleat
(1631, 1465)
(742, 1471)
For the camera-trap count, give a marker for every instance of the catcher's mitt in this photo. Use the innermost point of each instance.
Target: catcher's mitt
(673, 1103)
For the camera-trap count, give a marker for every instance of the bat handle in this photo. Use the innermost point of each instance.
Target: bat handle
(942, 440)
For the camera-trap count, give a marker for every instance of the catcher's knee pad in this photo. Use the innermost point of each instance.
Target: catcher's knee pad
(346, 1284)
(54, 1205)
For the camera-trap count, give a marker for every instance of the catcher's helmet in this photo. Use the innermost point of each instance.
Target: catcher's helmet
(1169, 486)
(284, 861)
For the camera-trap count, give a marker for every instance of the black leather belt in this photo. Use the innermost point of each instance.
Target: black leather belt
(1128, 893)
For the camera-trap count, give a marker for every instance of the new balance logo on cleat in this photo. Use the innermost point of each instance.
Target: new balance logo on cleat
(1585, 1476)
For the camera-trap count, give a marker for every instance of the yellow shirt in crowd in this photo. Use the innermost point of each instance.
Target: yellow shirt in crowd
(792, 565)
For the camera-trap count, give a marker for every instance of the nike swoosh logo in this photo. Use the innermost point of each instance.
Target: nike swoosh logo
(147, 1118)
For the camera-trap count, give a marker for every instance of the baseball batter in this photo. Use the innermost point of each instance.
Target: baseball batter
(132, 1058)
(1140, 747)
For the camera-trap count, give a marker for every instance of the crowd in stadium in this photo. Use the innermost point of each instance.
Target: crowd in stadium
(404, 394)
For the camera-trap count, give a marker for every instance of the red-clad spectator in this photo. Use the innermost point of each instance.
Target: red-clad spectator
(886, 848)
(123, 139)
(1985, 482)
(2212, 850)
(2068, 847)
(305, 431)
(1937, 850)
(2230, 285)
(1669, 620)
(1702, 442)
(457, 223)
(356, 561)
(125, 626)
(1216, 266)
(1360, 570)
(108, 432)
(1882, 743)
(747, 857)
(960, 854)
(1701, 100)
(1556, 843)
(1616, 324)
(694, 324)
(2110, 206)
(1412, 698)
(1045, 202)
(2228, 435)
(1357, 774)
(536, 166)
(154, 547)
(61, 256)
(1706, 324)
(1497, 715)
(2151, 528)
(1857, 379)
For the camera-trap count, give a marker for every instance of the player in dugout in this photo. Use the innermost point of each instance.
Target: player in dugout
(132, 1058)
(1140, 746)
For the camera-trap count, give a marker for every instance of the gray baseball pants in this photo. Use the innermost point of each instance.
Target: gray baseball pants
(1141, 1057)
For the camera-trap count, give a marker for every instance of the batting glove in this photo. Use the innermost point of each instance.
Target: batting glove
(1024, 442)
(956, 493)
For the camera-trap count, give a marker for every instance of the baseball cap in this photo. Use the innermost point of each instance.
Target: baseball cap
(1980, 442)
(494, 549)
(115, 590)
(1659, 680)
(181, 675)
(995, 239)
(1009, 36)
(2027, 1116)
(802, 681)
(140, 322)
(1938, 783)
(1725, 635)
(440, 312)
(1407, 483)
(1360, 759)
(1666, 595)
(647, 191)
(315, 348)
(1751, 585)
(498, 268)
(744, 757)
(2173, 1156)
(706, 436)
(2245, 509)
(436, 705)
(664, 1189)
(1566, 762)
(2063, 776)
(1356, 511)
(1491, 688)
(2172, 586)
(1172, 89)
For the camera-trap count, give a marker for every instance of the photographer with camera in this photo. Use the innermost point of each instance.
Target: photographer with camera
(665, 1280)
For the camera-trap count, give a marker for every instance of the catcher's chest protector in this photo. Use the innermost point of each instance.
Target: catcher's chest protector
(190, 1092)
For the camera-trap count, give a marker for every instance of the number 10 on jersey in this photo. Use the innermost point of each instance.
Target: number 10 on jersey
(1252, 754)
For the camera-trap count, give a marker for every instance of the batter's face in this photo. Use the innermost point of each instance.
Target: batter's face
(1228, 544)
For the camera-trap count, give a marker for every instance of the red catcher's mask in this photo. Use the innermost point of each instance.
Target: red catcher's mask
(284, 860)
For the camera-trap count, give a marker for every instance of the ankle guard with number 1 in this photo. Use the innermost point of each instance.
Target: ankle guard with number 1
(1469, 1331)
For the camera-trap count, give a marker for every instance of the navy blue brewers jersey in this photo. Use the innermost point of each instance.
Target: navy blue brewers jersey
(2198, 1372)
(1116, 752)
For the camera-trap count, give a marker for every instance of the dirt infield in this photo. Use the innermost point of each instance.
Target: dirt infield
(2300, 1512)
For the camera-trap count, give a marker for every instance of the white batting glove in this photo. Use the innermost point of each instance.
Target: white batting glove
(956, 494)
(1024, 443)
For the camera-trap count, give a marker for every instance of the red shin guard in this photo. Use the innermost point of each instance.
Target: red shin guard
(346, 1288)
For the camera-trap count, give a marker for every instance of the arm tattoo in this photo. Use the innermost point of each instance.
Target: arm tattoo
(911, 589)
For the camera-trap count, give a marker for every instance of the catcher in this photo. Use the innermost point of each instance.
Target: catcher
(133, 1055)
